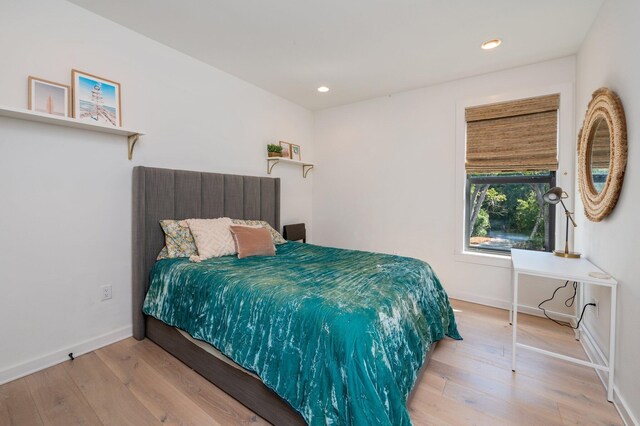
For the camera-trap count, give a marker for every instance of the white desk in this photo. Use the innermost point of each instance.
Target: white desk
(541, 264)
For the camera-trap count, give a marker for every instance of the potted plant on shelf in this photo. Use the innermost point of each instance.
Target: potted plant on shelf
(274, 150)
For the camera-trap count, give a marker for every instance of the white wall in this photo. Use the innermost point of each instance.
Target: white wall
(66, 194)
(386, 179)
(610, 57)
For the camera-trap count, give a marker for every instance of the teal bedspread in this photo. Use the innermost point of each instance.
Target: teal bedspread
(338, 334)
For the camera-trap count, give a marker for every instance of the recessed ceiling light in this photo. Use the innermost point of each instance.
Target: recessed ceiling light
(323, 89)
(491, 44)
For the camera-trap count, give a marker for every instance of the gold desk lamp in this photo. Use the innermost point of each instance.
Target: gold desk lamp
(554, 196)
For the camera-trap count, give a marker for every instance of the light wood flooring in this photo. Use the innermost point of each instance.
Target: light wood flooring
(467, 382)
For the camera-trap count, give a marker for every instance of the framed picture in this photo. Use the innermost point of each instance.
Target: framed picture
(96, 99)
(286, 149)
(49, 97)
(295, 152)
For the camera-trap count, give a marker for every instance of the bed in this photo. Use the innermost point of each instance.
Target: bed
(313, 335)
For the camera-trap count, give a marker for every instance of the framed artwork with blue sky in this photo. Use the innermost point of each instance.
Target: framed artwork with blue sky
(96, 99)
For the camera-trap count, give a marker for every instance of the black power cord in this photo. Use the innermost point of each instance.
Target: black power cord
(568, 303)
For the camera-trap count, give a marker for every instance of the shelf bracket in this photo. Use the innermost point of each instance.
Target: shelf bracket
(131, 142)
(306, 168)
(270, 163)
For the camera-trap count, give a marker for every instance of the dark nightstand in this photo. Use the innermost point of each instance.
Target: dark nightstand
(295, 232)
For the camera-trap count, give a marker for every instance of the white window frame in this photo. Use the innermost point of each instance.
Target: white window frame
(564, 176)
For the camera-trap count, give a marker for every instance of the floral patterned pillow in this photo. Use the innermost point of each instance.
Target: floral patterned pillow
(275, 235)
(178, 239)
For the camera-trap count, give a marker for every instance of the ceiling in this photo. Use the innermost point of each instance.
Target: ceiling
(360, 49)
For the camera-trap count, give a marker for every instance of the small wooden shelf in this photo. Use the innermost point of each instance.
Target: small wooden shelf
(306, 166)
(25, 114)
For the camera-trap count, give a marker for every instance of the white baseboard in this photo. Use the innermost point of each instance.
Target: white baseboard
(506, 304)
(595, 354)
(58, 356)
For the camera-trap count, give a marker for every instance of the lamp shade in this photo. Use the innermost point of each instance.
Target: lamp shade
(554, 195)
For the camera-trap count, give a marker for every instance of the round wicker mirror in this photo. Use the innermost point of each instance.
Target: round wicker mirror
(602, 154)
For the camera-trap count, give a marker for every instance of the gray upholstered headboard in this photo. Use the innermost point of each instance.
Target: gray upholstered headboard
(178, 194)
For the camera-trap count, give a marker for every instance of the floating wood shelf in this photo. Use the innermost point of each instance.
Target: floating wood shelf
(25, 114)
(306, 166)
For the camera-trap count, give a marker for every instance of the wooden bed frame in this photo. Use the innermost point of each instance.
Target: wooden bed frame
(161, 194)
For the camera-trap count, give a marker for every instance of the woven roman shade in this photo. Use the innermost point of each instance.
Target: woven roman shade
(513, 136)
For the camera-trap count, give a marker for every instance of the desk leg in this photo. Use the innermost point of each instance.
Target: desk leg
(514, 321)
(513, 277)
(612, 342)
(579, 303)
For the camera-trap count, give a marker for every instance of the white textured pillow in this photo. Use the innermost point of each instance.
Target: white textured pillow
(213, 238)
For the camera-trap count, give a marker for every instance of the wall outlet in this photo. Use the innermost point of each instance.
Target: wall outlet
(105, 292)
(596, 309)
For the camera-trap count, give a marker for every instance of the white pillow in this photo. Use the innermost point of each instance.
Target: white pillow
(213, 238)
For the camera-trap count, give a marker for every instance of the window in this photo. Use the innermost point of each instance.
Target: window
(506, 210)
(511, 161)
